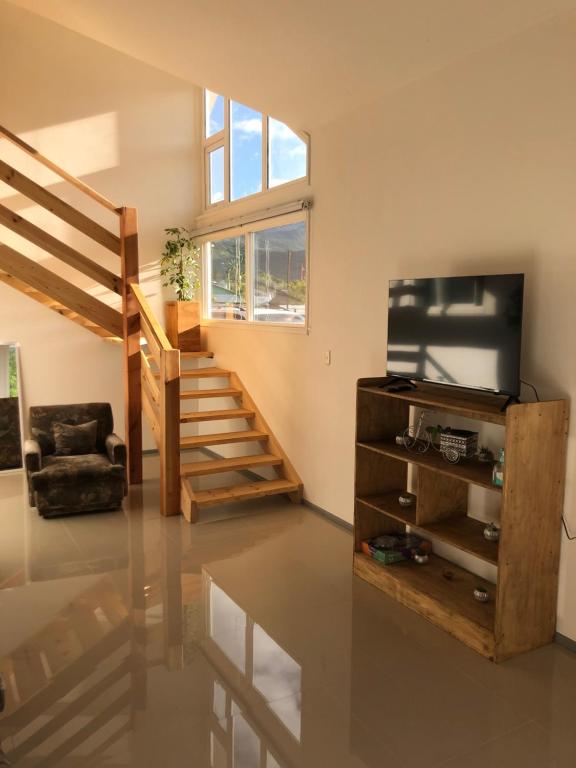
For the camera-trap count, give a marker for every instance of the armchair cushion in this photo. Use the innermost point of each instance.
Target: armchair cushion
(74, 440)
(116, 449)
(74, 470)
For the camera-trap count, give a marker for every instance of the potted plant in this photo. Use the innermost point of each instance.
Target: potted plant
(180, 268)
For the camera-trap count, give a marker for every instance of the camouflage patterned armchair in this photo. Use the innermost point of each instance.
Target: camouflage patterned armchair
(74, 461)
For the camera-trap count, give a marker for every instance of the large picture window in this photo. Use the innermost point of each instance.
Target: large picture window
(247, 152)
(260, 274)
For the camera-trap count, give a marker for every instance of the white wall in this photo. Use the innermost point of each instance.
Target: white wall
(129, 131)
(472, 170)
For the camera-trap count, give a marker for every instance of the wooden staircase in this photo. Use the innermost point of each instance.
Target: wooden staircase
(153, 379)
(264, 449)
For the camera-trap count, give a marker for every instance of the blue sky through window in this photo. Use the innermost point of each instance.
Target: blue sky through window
(245, 151)
(286, 154)
(217, 175)
(214, 113)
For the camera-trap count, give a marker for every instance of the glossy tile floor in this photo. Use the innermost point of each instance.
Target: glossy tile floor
(131, 640)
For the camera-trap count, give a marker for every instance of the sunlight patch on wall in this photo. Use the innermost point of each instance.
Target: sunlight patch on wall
(81, 147)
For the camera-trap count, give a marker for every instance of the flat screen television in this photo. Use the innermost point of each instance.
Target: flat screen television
(461, 331)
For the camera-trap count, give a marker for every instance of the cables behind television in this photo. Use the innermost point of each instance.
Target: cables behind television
(532, 387)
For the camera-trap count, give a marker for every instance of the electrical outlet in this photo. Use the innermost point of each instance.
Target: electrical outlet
(328, 357)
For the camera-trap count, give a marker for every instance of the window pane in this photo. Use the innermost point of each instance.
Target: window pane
(217, 175)
(228, 286)
(214, 113)
(286, 154)
(280, 274)
(245, 151)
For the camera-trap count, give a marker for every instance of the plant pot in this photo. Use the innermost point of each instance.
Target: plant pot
(183, 325)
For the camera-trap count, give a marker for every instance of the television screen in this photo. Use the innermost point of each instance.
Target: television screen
(464, 331)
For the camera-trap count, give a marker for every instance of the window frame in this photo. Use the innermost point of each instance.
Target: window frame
(222, 139)
(247, 230)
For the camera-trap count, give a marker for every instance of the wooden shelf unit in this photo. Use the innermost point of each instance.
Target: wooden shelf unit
(521, 612)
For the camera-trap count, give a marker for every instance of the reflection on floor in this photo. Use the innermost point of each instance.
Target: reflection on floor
(131, 640)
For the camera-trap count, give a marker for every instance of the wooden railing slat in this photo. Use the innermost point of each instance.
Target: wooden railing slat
(59, 171)
(56, 287)
(170, 432)
(148, 409)
(58, 207)
(149, 381)
(57, 248)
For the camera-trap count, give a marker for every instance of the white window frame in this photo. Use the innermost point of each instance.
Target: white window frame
(222, 139)
(247, 230)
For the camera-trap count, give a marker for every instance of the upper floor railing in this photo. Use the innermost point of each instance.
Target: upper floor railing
(123, 324)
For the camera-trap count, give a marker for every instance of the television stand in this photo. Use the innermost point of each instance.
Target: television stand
(520, 614)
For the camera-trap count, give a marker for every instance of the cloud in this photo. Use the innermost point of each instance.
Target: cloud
(253, 125)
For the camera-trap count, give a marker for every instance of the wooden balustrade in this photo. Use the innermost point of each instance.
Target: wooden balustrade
(19, 271)
(161, 401)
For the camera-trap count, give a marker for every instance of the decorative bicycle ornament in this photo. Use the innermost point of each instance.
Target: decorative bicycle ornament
(419, 438)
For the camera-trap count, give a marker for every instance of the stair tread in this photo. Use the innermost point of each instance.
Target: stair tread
(243, 492)
(225, 413)
(196, 394)
(200, 373)
(199, 441)
(226, 465)
(196, 355)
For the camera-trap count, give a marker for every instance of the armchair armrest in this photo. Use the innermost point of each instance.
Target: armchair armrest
(116, 449)
(32, 455)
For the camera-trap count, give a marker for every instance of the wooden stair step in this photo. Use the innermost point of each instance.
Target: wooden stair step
(196, 394)
(229, 465)
(199, 441)
(244, 492)
(196, 355)
(230, 413)
(202, 373)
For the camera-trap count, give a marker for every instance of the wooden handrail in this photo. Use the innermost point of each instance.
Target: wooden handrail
(96, 196)
(155, 329)
(161, 401)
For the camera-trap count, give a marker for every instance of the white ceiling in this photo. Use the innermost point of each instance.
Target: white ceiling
(304, 61)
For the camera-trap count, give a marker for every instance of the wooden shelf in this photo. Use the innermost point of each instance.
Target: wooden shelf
(523, 614)
(441, 591)
(481, 407)
(469, 470)
(461, 531)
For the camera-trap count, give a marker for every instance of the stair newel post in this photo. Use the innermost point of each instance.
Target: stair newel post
(131, 334)
(170, 431)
